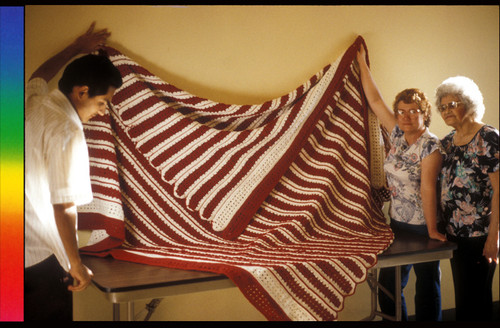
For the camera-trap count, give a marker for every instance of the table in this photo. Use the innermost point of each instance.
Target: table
(407, 248)
(125, 282)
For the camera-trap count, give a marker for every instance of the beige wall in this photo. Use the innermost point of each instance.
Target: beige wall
(250, 54)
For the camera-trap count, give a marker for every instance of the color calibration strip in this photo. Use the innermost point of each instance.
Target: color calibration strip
(11, 163)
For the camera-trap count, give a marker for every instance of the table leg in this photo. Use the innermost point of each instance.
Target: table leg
(397, 295)
(130, 311)
(372, 283)
(375, 286)
(116, 311)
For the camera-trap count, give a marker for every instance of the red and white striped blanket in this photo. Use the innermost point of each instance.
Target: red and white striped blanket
(275, 196)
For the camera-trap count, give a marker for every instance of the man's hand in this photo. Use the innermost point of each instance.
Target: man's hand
(65, 215)
(91, 41)
(86, 43)
(82, 276)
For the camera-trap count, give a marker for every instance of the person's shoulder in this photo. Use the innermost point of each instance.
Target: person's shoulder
(56, 121)
(448, 137)
(488, 129)
(430, 138)
(428, 134)
(37, 85)
(489, 135)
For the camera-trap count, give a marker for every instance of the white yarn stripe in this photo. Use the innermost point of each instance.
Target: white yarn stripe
(278, 291)
(337, 121)
(183, 174)
(346, 201)
(341, 215)
(311, 289)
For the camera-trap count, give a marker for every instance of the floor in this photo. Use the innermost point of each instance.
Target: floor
(449, 315)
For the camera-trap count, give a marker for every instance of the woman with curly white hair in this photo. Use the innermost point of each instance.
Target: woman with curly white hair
(469, 195)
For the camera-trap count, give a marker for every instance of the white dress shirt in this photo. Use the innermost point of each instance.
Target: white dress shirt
(56, 169)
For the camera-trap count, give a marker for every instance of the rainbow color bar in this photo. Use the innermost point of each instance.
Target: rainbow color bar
(11, 163)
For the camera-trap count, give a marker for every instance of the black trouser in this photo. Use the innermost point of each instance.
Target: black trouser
(46, 295)
(473, 279)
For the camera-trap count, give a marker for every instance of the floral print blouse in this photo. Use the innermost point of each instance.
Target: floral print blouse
(466, 189)
(403, 168)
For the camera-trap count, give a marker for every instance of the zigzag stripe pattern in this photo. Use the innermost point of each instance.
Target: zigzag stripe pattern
(275, 196)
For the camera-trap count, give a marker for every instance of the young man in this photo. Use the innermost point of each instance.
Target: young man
(57, 172)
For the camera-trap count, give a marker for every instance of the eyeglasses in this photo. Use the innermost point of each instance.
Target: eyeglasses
(412, 111)
(450, 105)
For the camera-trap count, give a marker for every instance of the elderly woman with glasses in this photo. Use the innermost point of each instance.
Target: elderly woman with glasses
(412, 167)
(469, 195)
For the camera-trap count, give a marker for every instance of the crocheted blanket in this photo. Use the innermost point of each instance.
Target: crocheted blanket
(275, 196)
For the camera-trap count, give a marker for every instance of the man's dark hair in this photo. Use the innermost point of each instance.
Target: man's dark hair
(95, 71)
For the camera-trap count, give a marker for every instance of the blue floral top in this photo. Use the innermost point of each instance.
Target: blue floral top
(466, 189)
(403, 168)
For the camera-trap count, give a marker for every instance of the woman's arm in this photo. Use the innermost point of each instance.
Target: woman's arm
(375, 100)
(431, 165)
(490, 250)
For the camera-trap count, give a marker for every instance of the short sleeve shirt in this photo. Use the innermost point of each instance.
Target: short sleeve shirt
(466, 189)
(56, 168)
(403, 169)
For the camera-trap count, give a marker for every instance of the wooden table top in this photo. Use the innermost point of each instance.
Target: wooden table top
(113, 276)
